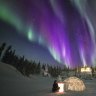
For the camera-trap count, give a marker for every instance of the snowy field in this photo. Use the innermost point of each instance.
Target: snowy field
(12, 83)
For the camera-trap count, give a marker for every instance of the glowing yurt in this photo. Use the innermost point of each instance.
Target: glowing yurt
(86, 72)
(73, 84)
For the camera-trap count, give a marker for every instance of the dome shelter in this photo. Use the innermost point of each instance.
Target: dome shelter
(74, 84)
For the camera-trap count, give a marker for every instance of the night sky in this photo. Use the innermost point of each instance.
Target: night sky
(50, 31)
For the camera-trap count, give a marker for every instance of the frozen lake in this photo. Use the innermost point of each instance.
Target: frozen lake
(12, 83)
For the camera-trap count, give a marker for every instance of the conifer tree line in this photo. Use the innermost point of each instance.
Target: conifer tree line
(23, 65)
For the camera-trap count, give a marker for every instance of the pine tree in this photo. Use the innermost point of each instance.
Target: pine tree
(7, 55)
(2, 47)
(38, 68)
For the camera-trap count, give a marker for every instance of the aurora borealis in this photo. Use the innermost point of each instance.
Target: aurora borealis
(65, 27)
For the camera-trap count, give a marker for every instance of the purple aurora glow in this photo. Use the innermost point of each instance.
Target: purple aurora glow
(60, 26)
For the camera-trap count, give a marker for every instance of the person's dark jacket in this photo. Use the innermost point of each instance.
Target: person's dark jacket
(55, 87)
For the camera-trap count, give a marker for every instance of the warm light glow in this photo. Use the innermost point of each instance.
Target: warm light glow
(88, 69)
(61, 85)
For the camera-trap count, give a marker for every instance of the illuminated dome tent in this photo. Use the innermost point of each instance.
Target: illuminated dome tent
(74, 84)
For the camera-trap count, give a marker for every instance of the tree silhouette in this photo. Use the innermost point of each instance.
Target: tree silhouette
(38, 69)
(7, 54)
(23, 65)
(2, 47)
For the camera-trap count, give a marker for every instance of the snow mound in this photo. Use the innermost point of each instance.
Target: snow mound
(7, 70)
(13, 83)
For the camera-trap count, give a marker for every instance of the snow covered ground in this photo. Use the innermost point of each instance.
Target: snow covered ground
(12, 83)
